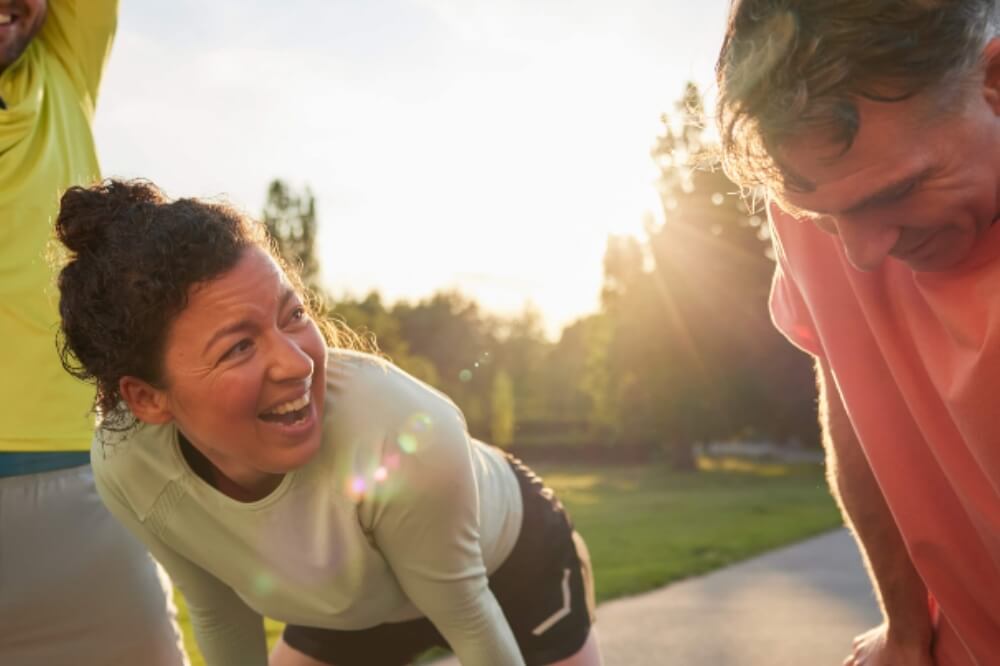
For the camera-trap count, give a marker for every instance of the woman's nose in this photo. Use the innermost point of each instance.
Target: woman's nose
(289, 360)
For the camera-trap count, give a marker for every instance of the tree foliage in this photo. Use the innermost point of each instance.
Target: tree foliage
(681, 351)
(290, 218)
(502, 410)
(695, 353)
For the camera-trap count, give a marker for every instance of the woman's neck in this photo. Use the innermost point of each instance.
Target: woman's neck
(213, 476)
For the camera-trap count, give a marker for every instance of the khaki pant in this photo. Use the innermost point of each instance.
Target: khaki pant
(76, 589)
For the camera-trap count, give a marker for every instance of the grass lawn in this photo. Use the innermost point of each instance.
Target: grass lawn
(647, 526)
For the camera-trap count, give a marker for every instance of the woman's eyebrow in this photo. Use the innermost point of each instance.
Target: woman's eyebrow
(235, 327)
(287, 294)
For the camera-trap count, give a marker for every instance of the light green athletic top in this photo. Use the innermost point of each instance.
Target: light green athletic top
(400, 515)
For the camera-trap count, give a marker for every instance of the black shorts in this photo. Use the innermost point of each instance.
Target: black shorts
(546, 574)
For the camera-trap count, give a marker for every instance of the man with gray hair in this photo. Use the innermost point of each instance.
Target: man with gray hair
(873, 129)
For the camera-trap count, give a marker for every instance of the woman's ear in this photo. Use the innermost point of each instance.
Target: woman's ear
(146, 402)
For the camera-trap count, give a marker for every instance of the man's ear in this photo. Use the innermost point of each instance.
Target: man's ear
(147, 403)
(991, 79)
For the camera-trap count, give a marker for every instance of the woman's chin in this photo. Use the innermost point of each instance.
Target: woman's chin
(294, 444)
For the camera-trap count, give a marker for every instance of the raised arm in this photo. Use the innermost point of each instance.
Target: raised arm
(904, 638)
(79, 33)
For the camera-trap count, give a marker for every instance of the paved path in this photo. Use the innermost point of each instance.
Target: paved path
(799, 605)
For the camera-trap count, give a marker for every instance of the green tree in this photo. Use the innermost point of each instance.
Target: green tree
(502, 414)
(370, 317)
(290, 218)
(451, 332)
(579, 398)
(521, 350)
(692, 355)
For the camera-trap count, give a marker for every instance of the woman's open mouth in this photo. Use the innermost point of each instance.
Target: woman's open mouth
(289, 413)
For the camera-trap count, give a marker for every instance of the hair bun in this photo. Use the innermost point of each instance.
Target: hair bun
(85, 213)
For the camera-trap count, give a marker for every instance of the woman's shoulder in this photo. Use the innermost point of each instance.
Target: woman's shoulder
(136, 464)
(378, 387)
(377, 412)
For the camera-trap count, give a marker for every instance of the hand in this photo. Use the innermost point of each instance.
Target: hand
(876, 647)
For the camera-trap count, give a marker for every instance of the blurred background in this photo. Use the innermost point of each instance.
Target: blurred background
(518, 201)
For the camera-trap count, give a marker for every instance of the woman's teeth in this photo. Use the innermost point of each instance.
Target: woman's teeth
(290, 406)
(288, 413)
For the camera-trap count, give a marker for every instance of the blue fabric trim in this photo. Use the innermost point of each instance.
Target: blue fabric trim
(17, 463)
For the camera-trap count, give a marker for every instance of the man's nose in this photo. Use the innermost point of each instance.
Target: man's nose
(866, 243)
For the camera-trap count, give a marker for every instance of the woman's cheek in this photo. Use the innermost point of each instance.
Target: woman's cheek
(238, 395)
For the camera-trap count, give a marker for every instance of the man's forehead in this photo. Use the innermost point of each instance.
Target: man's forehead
(851, 195)
(824, 176)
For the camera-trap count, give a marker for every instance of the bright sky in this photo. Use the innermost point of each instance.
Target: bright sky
(485, 145)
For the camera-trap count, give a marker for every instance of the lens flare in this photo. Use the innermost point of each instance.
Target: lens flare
(392, 461)
(413, 431)
(407, 442)
(263, 584)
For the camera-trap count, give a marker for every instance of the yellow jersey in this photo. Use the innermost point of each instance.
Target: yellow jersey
(46, 146)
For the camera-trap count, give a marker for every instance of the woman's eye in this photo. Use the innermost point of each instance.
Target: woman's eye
(239, 348)
(299, 314)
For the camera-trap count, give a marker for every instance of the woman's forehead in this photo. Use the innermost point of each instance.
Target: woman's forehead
(255, 282)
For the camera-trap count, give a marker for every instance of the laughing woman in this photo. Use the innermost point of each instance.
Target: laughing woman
(276, 473)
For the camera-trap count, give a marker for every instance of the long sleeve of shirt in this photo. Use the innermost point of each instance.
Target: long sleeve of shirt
(229, 633)
(428, 531)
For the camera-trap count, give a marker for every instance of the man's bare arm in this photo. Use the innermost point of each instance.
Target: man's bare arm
(901, 592)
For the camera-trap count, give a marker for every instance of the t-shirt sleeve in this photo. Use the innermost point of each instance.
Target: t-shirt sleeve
(426, 525)
(79, 33)
(789, 310)
(229, 633)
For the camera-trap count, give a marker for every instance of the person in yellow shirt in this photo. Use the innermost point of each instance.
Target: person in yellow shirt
(75, 587)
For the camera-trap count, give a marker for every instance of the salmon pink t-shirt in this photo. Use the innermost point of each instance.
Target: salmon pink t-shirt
(916, 358)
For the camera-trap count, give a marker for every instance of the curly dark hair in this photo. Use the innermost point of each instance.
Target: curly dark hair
(791, 65)
(134, 257)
